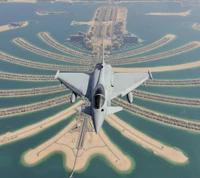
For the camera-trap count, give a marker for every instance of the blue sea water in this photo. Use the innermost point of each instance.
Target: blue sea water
(146, 163)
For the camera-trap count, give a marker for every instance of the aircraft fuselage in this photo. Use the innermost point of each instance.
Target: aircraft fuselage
(102, 85)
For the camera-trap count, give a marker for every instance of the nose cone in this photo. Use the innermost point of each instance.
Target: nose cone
(98, 118)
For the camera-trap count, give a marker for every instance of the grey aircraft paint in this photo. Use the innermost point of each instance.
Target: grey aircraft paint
(100, 87)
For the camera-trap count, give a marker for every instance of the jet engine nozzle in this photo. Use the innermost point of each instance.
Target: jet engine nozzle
(130, 97)
(73, 97)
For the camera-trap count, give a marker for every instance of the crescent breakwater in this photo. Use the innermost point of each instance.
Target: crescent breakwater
(34, 107)
(35, 78)
(38, 65)
(166, 54)
(53, 43)
(165, 119)
(166, 39)
(22, 43)
(167, 99)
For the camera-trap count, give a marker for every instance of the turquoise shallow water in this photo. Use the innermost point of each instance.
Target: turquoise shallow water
(186, 92)
(16, 101)
(13, 123)
(147, 164)
(179, 111)
(12, 84)
(179, 74)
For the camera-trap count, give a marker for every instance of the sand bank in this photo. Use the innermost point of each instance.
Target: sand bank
(196, 26)
(160, 69)
(9, 27)
(66, 143)
(145, 141)
(38, 127)
(183, 14)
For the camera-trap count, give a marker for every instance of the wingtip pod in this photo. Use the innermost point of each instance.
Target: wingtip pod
(150, 75)
(56, 76)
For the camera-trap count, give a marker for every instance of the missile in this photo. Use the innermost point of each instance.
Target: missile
(150, 75)
(130, 97)
(73, 97)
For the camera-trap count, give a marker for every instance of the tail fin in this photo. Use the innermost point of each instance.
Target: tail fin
(112, 110)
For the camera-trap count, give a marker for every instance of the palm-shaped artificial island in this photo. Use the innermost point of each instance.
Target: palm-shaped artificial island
(78, 140)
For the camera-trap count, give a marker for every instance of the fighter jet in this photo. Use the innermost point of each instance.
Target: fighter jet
(100, 87)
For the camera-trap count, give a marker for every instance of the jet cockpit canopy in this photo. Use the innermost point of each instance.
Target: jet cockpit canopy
(99, 97)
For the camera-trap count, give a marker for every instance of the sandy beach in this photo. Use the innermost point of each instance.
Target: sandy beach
(38, 127)
(66, 141)
(145, 141)
(8, 27)
(183, 14)
(160, 69)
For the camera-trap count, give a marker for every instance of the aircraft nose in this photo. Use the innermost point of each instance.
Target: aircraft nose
(98, 118)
